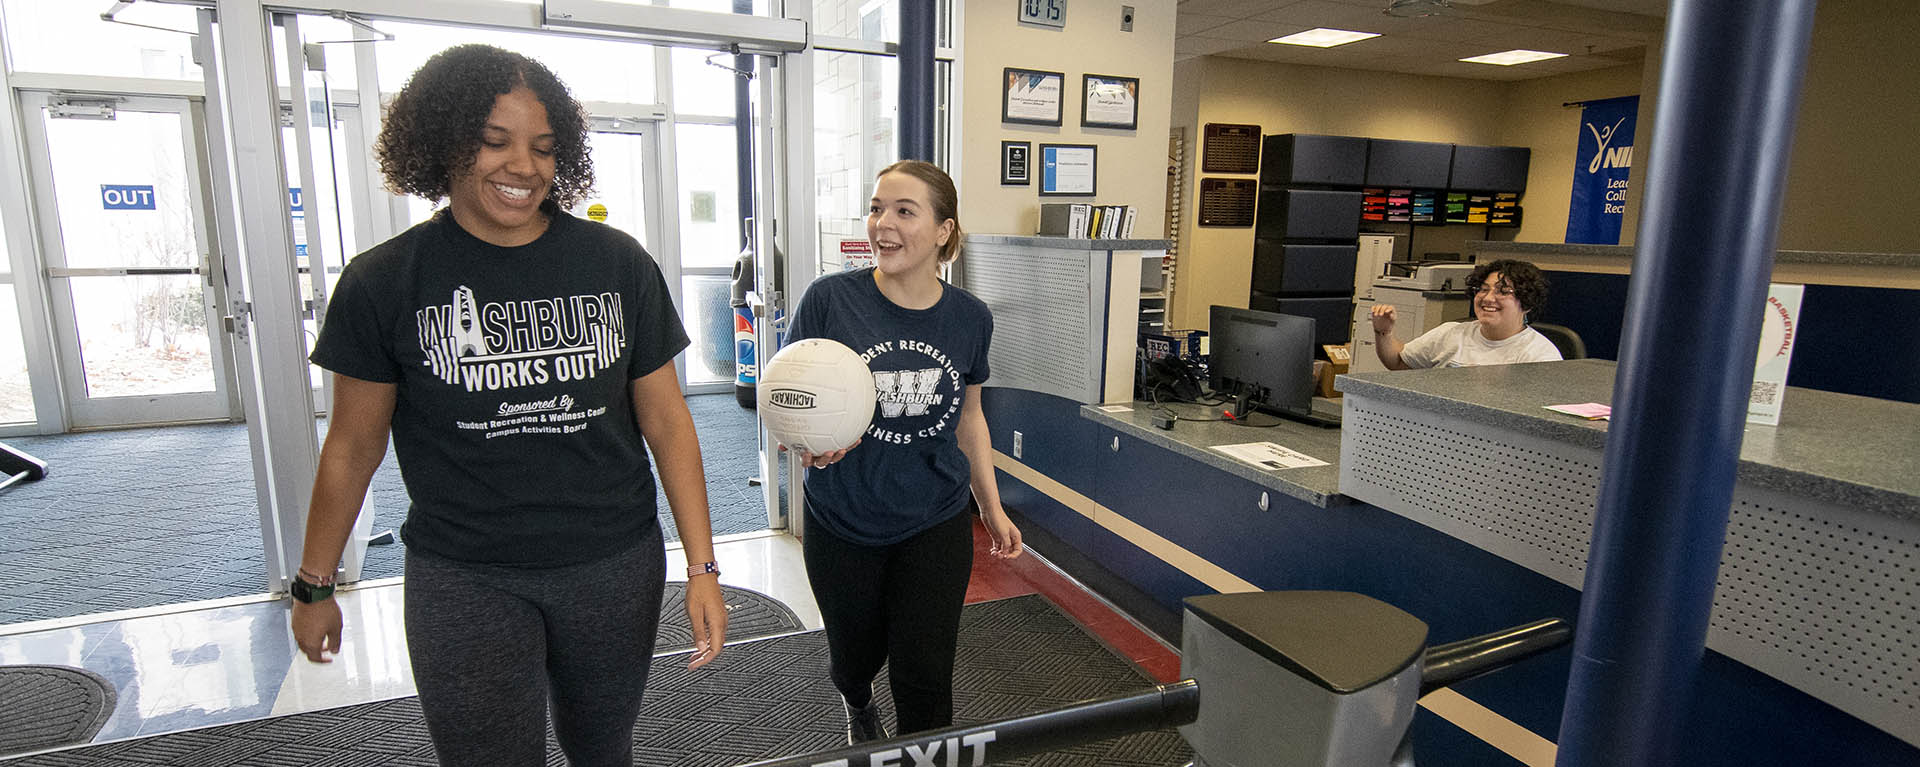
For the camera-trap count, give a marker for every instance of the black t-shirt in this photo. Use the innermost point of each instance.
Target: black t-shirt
(908, 473)
(514, 424)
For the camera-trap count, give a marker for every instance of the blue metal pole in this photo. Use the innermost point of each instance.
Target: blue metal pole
(1729, 91)
(916, 80)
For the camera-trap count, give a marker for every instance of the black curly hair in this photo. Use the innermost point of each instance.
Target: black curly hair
(1529, 285)
(433, 127)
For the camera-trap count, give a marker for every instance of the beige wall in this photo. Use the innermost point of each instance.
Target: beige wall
(1216, 262)
(1131, 166)
(1851, 185)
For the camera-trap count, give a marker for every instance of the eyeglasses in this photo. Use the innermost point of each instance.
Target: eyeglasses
(1495, 289)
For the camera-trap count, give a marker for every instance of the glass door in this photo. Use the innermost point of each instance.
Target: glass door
(123, 207)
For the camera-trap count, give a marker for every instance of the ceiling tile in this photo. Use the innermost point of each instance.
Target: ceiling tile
(1194, 23)
(1238, 9)
(1205, 46)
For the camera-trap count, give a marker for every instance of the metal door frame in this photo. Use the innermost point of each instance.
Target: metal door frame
(81, 410)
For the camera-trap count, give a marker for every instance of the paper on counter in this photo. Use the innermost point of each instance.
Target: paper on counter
(1592, 411)
(1113, 408)
(1267, 455)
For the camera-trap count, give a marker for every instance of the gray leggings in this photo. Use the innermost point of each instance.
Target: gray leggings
(492, 646)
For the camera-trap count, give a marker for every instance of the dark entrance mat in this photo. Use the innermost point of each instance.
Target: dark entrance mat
(759, 700)
(47, 706)
(749, 614)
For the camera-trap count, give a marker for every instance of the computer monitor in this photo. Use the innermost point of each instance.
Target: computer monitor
(1263, 359)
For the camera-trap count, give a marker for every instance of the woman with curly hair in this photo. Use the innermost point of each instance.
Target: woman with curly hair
(1503, 293)
(522, 360)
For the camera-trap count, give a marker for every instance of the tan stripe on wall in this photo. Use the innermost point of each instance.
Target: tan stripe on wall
(1482, 722)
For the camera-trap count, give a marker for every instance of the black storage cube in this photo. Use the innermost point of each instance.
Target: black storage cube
(1332, 315)
(1490, 168)
(1307, 214)
(1300, 158)
(1408, 164)
(1282, 268)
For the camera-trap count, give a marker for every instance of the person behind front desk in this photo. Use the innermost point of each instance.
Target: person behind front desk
(1503, 293)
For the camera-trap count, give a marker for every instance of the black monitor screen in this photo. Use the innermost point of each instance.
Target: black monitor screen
(1268, 355)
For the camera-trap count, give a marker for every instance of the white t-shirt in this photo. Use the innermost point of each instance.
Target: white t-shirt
(1459, 344)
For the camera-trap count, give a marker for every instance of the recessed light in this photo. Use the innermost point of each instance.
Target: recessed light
(1324, 37)
(1510, 58)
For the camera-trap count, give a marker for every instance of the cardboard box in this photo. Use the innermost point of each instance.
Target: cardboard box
(1323, 373)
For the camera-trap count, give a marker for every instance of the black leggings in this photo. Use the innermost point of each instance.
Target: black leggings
(898, 604)
(493, 647)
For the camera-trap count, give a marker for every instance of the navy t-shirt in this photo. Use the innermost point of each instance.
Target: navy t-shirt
(908, 473)
(514, 423)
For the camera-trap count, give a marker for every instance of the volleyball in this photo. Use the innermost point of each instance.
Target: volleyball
(816, 395)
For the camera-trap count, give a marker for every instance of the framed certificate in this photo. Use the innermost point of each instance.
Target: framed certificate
(1016, 166)
(1031, 97)
(1109, 102)
(1067, 169)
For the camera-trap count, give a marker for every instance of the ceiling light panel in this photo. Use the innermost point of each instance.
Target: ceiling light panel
(1324, 37)
(1510, 58)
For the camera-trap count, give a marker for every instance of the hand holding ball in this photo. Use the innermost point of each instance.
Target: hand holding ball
(816, 395)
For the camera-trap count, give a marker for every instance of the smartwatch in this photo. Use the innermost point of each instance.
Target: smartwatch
(304, 591)
(703, 568)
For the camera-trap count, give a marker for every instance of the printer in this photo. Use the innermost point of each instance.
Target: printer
(1425, 276)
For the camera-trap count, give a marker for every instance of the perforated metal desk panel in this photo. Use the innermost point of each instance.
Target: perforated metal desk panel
(1820, 575)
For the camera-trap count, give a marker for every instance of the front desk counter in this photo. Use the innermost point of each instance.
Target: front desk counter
(1455, 495)
(1201, 428)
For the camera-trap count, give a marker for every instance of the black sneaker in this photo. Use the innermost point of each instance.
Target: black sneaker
(863, 724)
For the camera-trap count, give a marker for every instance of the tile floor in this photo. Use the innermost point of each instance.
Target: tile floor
(208, 663)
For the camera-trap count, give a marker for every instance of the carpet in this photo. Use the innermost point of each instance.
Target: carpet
(48, 706)
(759, 700)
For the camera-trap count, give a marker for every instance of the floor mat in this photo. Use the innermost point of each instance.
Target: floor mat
(47, 706)
(759, 700)
(749, 614)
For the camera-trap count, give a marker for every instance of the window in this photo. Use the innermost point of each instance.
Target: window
(70, 38)
(594, 70)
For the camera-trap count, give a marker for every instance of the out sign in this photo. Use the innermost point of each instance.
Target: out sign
(126, 197)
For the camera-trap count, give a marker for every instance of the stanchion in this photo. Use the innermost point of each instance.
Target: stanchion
(1168, 705)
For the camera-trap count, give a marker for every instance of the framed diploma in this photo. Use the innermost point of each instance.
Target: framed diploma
(1109, 102)
(1031, 97)
(1067, 169)
(1016, 166)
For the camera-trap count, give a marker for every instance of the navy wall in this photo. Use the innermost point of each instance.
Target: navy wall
(1852, 340)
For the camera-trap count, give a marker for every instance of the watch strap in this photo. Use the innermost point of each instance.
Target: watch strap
(308, 592)
(703, 568)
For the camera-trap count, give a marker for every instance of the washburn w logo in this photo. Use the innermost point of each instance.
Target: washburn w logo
(791, 398)
(907, 391)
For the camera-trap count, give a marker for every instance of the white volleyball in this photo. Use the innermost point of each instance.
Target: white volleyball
(816, 395)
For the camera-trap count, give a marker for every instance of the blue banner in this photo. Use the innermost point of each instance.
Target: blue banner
(1600, 171)
(126, 196)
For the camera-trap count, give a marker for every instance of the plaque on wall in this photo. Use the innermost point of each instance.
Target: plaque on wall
(1227, 201)
(1229, 148)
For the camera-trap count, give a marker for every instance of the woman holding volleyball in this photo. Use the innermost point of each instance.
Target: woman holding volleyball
(889, 543)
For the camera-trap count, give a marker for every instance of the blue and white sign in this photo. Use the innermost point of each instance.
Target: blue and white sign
(126, 196)
(294, 198)
(1601, 169)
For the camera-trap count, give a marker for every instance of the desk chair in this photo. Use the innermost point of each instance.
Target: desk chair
(1563, 337)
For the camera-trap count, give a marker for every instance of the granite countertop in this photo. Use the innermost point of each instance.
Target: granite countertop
(1066, 243)
(1318, 485)
(1906, 260)
(1853, 451)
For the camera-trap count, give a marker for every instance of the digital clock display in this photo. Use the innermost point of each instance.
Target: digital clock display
(1052, 13)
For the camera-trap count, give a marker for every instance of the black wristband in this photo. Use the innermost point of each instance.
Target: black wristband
(303, 591)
